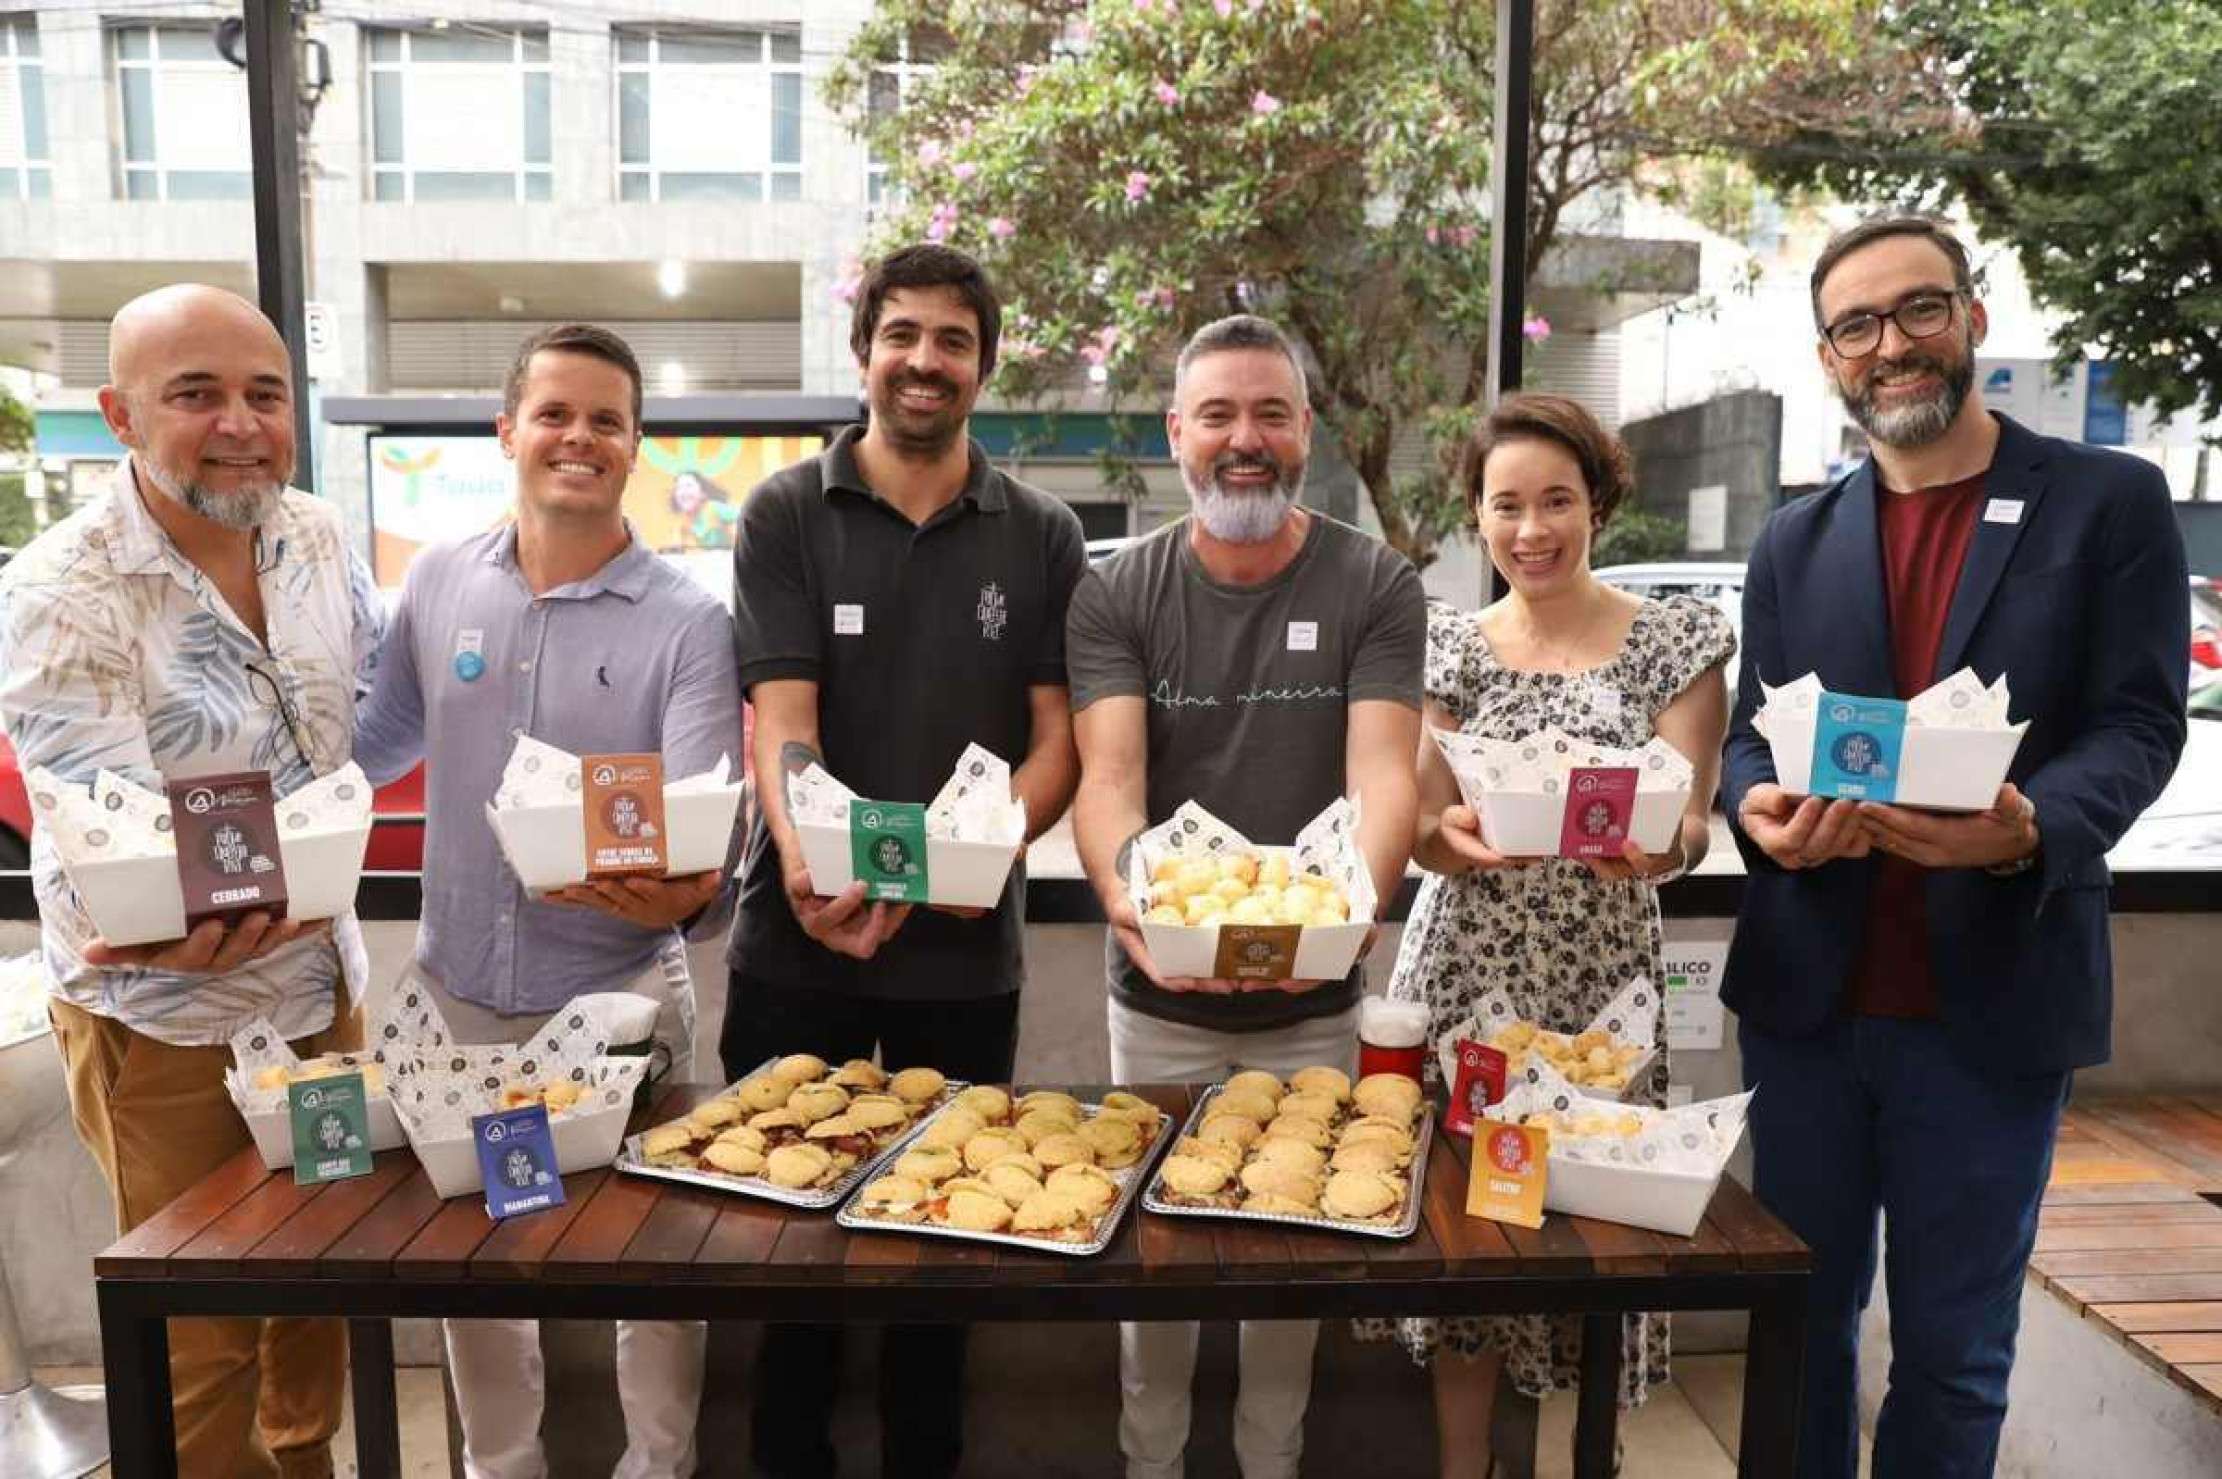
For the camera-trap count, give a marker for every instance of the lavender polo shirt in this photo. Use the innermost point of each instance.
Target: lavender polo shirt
(634, 658)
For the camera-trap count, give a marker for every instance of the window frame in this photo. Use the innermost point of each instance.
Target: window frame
(778, 182)
(155, 66)
(531, 183)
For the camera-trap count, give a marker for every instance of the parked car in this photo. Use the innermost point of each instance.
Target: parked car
(2206, 631)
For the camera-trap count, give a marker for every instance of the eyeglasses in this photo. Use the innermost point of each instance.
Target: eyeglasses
(1922, 316)
(267, 683)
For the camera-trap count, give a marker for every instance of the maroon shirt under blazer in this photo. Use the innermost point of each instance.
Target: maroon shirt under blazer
(1925, 535)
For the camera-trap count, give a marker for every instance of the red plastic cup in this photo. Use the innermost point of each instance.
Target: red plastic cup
(1392, 1037)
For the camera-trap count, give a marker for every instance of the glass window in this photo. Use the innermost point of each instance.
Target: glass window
(182, 116)
(883, 95)
(23, 155)
(709, 114)
(460, 115)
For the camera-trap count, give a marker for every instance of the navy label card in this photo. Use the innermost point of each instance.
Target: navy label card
(517, 1161)
(1857, 745)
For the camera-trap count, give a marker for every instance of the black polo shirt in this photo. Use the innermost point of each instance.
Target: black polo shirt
(922, 639)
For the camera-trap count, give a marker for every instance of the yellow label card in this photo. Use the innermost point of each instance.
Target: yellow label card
(1505, 1182)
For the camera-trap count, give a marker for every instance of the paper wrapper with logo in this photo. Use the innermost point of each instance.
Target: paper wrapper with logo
(1520, 789)
(438, 1084)
(1946, 749)
(1611, 1056)
(1215, 904)
(116, 843)
(956, 849)
(538, 813)
(1652, 1168)
(264, 1065)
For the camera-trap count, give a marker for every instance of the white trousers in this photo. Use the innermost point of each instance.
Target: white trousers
(499, 1373)
(1157, 1361)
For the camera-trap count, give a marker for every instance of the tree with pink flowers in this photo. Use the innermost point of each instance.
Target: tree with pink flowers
(1131, 169)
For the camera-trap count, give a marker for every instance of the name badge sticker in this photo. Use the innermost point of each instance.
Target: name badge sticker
(470, 654)
(1303, 636)
(2002, 511)
(848, 620)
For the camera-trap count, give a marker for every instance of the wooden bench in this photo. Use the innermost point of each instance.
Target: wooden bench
(2130, 1233)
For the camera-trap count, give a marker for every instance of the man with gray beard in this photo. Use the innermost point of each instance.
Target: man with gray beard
(194, 618)
(1260, 659)
(1914, 990)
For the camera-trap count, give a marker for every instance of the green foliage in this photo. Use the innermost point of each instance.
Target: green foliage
(1636, 537)
(17, 523)
(2084, 134)
(1130, 170)
(17, 427)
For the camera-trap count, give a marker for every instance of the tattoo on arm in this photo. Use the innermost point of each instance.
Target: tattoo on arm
(795, 757)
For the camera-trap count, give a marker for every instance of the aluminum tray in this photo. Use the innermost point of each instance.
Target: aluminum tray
(811, 1199)
(1107, 1226)
(1415, 1179)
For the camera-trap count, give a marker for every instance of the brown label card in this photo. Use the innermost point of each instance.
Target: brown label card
(624, 799)
(227, 846)
(1256, 952)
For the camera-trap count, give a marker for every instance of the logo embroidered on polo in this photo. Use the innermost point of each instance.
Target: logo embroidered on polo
(994, 612)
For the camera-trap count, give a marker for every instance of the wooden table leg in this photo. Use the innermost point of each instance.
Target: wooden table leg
(1774, 1384)
(1597, 1413)
(135, 1364)
(377, 1424)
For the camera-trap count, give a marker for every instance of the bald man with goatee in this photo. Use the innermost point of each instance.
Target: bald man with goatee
(197, 616)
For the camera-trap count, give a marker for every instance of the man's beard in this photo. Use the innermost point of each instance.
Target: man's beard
(1915, 423)
(1241, 517)
(913, 433)
(249, 508)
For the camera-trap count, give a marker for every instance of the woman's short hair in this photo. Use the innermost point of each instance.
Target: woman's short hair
(1537, 416)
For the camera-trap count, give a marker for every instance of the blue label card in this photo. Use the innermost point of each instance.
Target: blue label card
(1857, 745)
(517, 1161)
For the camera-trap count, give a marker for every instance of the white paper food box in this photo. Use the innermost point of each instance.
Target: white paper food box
(1631, 1017)
(1662, 1178)
(582, 1142)
(1527, 821)
(968, 875)
(1941, 767)
(974, 828)
(1663, 1201)
(1323, 952)
(438, 1084)
(136, 899)
(257, 1046)
(545, 842)
(273, 1130)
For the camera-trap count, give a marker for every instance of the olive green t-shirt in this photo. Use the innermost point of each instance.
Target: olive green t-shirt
(1249, 689)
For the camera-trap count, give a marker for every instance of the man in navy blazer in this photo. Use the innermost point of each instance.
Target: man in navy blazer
(1914, 989)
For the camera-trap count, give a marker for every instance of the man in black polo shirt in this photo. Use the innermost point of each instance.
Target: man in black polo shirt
(895, 599)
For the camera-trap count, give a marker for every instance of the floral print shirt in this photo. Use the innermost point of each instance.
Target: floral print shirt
(117, 653)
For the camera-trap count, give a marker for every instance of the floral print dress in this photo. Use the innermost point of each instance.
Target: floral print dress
(1558, 941)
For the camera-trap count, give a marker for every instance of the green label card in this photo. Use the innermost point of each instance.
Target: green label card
(887, 848)
(331, 1129)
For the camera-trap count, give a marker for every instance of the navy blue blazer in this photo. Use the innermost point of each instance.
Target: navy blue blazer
(2081, 603)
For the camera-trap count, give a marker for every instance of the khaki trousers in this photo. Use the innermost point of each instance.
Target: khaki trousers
(157, 1118)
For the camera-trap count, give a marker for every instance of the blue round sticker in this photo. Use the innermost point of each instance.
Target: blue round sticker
(469, 666)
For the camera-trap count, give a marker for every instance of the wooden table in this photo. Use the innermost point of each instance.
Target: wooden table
(379, 1247)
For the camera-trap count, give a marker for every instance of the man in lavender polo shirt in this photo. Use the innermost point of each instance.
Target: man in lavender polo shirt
(565, 627)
